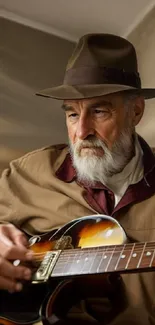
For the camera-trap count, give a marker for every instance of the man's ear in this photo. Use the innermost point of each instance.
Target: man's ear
(138, 110)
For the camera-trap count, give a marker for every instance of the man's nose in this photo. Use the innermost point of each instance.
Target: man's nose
(85, 127)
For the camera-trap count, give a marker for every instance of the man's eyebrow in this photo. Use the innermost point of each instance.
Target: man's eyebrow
(66, 107)
(102, 103)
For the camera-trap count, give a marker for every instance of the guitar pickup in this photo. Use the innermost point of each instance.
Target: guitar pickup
(45, 268)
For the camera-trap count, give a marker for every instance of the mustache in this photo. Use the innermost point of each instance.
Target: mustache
(89, 143)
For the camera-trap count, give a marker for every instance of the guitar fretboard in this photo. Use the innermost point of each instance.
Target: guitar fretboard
(120, 258)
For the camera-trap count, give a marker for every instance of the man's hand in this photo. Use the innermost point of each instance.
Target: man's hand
(13, 246)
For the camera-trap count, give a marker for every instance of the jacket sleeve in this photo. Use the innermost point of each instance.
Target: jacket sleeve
(27, 192)
(20, 190)
(10, 194)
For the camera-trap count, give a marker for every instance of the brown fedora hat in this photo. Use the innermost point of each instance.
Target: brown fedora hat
(101, 64)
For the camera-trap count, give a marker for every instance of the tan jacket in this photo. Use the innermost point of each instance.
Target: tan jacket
(33, 198)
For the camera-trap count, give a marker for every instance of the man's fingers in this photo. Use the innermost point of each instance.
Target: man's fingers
(14, 272)
(11, 234)
(5, 240)
(13, 246)
(15, 252)
(10, 285)
(21, 239)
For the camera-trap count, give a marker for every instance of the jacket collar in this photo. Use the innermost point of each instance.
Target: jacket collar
(67, 172)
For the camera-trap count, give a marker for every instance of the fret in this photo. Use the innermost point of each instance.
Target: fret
(152, 262)
(116, 258)
(97, 260)
(76, 263)
(65, 262)
(143, 250)
(136, 256)
(124, 257)
(112, 258)
(102, 267)
(88, 261)
(60, 266)
(148, 258)
(133, 247)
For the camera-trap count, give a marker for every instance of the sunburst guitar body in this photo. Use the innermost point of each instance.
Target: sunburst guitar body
(74, 262)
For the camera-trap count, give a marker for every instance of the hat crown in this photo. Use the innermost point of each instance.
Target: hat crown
(104, 50)
(100, 64)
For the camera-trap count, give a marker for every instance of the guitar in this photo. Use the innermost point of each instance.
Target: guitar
(81, 249)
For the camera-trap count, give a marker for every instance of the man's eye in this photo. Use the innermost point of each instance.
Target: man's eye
(73, 115)
(100, 111)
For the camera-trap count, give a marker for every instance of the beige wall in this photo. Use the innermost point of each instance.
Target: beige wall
(143, 37)
(32, 60)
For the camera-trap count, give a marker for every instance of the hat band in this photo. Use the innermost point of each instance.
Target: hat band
(101, 75)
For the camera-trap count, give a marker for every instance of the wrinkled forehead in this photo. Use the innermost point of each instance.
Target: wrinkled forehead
(113, 99)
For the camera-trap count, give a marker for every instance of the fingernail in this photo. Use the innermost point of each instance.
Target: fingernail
(18, 286)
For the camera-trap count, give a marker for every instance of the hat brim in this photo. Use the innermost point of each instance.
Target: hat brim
(88, 91)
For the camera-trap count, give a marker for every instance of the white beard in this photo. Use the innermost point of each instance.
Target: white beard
(95, 168)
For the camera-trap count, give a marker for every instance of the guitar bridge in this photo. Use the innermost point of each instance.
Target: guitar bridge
(46, 267)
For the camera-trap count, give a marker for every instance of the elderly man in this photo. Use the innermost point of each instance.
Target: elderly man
(106, 169)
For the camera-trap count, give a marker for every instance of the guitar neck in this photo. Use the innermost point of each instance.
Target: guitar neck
(131, 257)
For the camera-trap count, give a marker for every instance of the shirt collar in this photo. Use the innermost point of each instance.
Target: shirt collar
(67, 172)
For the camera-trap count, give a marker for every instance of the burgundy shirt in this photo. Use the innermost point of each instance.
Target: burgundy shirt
(100, 198)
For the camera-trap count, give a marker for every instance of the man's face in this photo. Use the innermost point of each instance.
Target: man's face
(103, 117)
(99, 128)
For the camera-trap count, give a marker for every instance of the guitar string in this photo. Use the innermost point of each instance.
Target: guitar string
(100, 248)
(69, 252)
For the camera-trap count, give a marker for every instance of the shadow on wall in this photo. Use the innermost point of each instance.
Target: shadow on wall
(32, 60)
(143, 38)
(27, 122)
